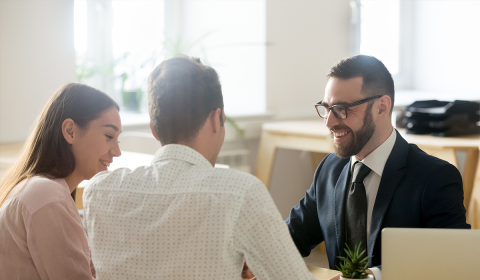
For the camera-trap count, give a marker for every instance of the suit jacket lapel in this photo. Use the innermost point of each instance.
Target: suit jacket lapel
(340, 189)
(391, 177)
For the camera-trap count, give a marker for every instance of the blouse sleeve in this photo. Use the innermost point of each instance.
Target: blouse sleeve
(58, 245)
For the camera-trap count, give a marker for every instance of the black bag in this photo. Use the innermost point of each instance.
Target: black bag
(442, 118)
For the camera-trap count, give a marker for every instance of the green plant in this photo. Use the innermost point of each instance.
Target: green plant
(168, 48)
(354, 266)
(87, 70)
(234, 124)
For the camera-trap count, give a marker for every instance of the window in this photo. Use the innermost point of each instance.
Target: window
(428, 46)
(233, 42)
(380, 29)
(119, 43)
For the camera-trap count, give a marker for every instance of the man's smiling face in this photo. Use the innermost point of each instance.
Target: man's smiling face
(353, 133)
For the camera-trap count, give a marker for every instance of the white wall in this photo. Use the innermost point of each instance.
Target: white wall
(306, 38)
(234, 44)
(37, 56)
(446, 44)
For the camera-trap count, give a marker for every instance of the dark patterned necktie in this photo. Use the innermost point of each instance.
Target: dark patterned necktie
(356, 209)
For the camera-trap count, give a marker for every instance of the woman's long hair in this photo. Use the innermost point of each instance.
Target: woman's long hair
(46, 151)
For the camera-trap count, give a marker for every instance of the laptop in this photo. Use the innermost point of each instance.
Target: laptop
(430, 254)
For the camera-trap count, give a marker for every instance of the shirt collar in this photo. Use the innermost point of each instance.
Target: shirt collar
(377, 159)
(181, 152)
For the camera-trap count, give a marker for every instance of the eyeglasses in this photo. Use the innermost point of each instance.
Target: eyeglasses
(340, 111)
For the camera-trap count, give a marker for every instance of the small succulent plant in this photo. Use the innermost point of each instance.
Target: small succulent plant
(354, 266)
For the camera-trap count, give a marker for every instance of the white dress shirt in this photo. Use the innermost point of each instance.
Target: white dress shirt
(180, 218)
(376, 161)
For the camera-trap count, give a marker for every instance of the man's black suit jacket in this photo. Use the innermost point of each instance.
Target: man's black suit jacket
(416, 191)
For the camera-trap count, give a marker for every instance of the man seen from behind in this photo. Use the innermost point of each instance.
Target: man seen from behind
(181, 218)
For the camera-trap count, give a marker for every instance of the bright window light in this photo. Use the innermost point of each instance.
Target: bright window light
(80, 22)
(138, 32)
(233, 41)
(118, 43)
(123, 40)
(380, 32)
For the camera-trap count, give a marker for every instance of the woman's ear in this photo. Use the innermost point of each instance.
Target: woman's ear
(68, 130)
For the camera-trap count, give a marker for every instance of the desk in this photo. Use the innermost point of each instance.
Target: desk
(322, 273)
(318, 272)
(473, 211)
(313, 136)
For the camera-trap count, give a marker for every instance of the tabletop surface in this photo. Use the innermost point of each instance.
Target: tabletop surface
(322, 273)
(317, 128)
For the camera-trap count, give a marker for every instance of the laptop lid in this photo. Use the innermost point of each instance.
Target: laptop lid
(430, 254)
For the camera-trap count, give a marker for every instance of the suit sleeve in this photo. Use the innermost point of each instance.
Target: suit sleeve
(442, 201)
(303, 221)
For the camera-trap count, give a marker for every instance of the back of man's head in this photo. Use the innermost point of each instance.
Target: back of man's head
(181, 94)
(377, 80)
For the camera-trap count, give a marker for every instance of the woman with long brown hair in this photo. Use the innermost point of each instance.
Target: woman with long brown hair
(41, 233)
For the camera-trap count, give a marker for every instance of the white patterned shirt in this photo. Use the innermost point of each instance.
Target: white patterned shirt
(180, 218)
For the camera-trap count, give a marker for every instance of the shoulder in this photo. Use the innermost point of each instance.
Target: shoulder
(415, 160)
(237, 177)
(167, 179)
(40, 191)
(245, 189)
(225, 181)
(421, 169)
(233, 173)
(419, 159)
(332, 164)
(228, 181)
(333, 160)
(115, 178)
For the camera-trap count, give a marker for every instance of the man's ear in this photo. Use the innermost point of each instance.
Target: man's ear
(214, 117)
(69, 130)
(384, 105)
(153, 132)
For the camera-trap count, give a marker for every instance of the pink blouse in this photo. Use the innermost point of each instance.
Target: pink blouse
(41, 234)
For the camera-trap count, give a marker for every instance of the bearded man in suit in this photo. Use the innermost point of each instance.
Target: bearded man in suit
(375, 179)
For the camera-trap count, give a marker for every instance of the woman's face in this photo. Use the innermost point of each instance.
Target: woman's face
(95, 146)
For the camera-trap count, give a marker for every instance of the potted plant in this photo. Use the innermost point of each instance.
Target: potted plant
(131, 98)
(355, 265)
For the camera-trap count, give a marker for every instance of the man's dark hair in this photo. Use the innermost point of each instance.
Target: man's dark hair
(181, 94)
(377, 80)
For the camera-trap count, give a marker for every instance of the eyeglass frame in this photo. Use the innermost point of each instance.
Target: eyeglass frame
(346, 106)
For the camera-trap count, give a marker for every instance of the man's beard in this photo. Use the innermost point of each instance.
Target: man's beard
(359, 138)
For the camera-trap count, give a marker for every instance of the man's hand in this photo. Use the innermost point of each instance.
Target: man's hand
(370, 272)
(247, 273)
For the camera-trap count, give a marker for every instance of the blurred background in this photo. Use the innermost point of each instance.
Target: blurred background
(271, 55)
